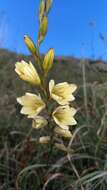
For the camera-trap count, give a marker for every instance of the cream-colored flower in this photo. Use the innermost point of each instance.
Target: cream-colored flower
(39, 122)
(44, 140)
(32, 104)
(64, 116)
(63, 132)
(62, 92)
(27, 72)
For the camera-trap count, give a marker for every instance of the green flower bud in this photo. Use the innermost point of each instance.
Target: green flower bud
(30, 45)
(43, 29)
(48, 60)
(41, 10)
(48, 5)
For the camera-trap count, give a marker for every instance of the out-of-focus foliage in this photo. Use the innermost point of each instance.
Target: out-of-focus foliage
(18, 152)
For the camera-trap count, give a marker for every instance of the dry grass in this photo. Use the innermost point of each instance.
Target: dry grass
(24, 165)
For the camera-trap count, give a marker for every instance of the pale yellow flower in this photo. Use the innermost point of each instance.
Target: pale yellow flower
(32, 104)
(64, 116)
(44, 140)
(27, 72)
(39, 122)
(63, 132)
(62, 92)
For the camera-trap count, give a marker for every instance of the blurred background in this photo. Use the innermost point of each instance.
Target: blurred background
(77, 31)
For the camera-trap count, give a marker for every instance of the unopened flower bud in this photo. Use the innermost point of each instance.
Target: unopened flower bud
(48, 60)
(43, 29)
(30, 45)
(41, 10)
(48, 5)
(44, 140)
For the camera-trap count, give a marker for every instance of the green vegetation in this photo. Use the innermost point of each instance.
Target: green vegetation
(25, 165)
(79, 163)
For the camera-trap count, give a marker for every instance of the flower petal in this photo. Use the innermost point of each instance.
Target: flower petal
(27, 72)
(32, 104)
(39, 122)
(63, 116)
(62, 92)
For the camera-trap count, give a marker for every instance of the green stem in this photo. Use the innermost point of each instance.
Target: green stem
(51, 144)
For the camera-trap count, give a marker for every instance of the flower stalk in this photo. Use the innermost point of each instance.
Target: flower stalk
(49, 109)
